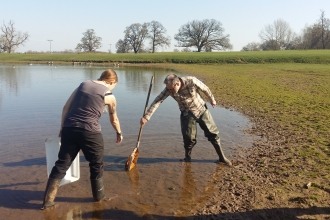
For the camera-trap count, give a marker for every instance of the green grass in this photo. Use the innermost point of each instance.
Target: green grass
(244, 179)
(257, 57)
(295, 96)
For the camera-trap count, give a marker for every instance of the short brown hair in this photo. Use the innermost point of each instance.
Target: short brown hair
(172, 79)
(109, 76)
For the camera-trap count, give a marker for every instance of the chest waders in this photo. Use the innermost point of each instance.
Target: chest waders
(189, 132)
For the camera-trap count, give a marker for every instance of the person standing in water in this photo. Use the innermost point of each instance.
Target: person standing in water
(80, 130)
(185, 90)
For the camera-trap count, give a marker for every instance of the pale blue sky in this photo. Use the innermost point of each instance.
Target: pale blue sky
(64, 21)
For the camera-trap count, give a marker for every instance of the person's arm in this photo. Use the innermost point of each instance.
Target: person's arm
(111, 102)
(206, 90)
(66, 108)
(154, 105)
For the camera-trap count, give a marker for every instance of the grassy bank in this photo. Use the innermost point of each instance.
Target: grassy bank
(257, 57)
(295, 97)
(289, 106)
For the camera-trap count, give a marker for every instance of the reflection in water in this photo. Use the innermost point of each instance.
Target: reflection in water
(134, 177)
(135, 79)
(73, 214)
(138, 79)
(12, 79)
(91, 73)
(98, 211)
(191, 195)
(188, 192)
(50, 215)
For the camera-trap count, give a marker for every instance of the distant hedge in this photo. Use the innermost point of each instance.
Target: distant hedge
(257, 57)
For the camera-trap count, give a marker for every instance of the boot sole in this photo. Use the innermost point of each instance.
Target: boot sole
(46, 208)
(220, 162)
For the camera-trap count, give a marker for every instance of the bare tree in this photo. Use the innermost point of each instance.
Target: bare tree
(186, 49)
(310, 37)
(270, 45)
(316, 36)
(11, 38)
(90, 42)
(277, 35)
(324, 24)
(207, 33)
(123, 46)
(135, 35)
(253, 46)
(2, 44)
(157, 35)
(295, 43)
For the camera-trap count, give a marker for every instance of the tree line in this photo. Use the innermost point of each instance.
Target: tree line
(280, 36)
(203, 35)
(207, 35)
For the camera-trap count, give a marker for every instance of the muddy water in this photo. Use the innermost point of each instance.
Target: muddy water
(160, 187)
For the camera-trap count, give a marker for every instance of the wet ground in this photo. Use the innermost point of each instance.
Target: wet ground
(160, 185)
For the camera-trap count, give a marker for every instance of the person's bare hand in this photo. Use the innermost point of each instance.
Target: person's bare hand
(214, 104)
(119, 138)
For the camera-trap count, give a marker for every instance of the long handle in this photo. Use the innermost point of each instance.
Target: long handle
(145, 110)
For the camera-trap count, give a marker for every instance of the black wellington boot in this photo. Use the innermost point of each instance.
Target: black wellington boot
(187, 155)
(50, 193)
(98, 190)
(222, 157)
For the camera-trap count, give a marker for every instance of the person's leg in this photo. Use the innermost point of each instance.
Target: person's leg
(68, 152)
(50, 193)
(93, 149)
(189, 132)
(211, 131)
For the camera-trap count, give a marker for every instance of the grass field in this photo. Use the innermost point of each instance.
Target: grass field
(296, 97)
(258, 57)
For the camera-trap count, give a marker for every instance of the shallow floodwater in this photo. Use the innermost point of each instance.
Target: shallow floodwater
(160, 187)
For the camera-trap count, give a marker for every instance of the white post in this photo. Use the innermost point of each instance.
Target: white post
(50, 46)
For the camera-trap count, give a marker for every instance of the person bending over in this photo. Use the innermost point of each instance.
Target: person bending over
(185, 90)
(80, 130)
